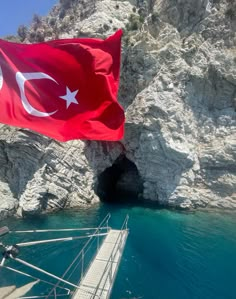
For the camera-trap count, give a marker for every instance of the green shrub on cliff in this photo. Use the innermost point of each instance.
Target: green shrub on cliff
(135, 22)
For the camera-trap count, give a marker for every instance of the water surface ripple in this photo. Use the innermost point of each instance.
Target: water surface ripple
(168, 255)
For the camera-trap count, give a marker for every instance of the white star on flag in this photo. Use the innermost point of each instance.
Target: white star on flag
(70, 97)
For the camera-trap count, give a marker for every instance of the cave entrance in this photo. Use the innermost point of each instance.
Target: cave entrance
(120, 182)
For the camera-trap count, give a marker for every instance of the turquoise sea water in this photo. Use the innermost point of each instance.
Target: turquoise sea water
(168, 255)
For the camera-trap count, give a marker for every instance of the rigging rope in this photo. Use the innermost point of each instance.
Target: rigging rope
(31, 297)
(55, 230)
(34, 277)
(44, 272)
(58, 240)
(59, 280)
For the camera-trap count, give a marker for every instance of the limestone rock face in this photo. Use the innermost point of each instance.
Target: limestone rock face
(186, 115)
(178, 87)
(38, 174)
(9, 204)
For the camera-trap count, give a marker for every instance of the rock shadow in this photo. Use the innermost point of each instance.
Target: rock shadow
(120, 183)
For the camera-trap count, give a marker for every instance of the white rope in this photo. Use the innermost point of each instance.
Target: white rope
(47, 273)
(3, 261)
(58, 295)
(55, 230)
(58, 240)
(44, 272)
(31, 276)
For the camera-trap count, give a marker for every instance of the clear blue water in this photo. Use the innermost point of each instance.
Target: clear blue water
(168, 255)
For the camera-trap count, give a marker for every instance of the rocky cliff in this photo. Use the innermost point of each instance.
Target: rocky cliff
(178, 87)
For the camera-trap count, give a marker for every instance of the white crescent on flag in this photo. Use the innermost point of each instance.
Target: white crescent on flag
(21, 78)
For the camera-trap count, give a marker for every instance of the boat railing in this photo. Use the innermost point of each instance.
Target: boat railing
(93, 242)
(111, 259)
(88, 245)
(79, 260)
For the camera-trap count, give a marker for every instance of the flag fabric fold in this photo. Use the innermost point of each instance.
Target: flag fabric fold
(65, 89)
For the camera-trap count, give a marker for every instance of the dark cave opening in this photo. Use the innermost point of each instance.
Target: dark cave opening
(120, 182)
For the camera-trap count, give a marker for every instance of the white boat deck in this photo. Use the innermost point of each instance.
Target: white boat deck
(97, 282)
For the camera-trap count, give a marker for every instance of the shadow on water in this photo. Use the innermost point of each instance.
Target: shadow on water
(132, 203)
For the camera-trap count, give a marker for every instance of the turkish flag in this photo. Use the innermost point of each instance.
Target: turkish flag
(65, 89)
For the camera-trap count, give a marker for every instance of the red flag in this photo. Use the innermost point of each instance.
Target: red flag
(65, 89)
